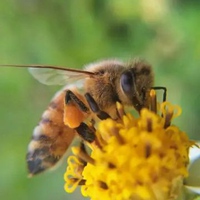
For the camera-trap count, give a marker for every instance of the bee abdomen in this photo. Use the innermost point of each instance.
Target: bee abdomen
(50, 139)
(40, 156)
(39, 160)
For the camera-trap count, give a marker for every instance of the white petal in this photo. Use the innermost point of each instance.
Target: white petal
(192, 182)
(194, 153)
(193, 189)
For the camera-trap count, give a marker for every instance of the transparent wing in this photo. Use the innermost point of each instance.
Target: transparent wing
(58, 76)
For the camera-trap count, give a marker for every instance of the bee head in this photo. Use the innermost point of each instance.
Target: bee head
(135, 83)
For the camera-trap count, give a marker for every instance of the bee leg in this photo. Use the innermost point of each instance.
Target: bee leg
(95, 108)
(83, 130)
(71, 97)
(86, 133)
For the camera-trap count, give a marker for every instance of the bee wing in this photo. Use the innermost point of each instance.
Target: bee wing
(58, 76)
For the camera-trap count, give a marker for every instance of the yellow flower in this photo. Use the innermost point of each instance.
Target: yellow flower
(141, 158)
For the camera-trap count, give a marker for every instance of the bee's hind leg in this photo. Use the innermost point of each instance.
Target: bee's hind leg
(83, 130)
(95, 108)
(71, 97)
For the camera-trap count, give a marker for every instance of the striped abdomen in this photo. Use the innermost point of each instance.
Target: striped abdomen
(50, 139)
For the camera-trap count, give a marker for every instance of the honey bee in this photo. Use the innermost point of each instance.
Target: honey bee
(103, 84)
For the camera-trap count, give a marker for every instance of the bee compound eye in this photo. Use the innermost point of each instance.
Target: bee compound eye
(127, 81)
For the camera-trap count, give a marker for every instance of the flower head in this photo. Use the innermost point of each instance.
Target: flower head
(137, 158)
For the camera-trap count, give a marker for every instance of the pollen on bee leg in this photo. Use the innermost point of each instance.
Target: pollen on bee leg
(72, 116)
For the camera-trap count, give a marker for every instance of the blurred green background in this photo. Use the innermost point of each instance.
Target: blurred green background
(72, 33)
